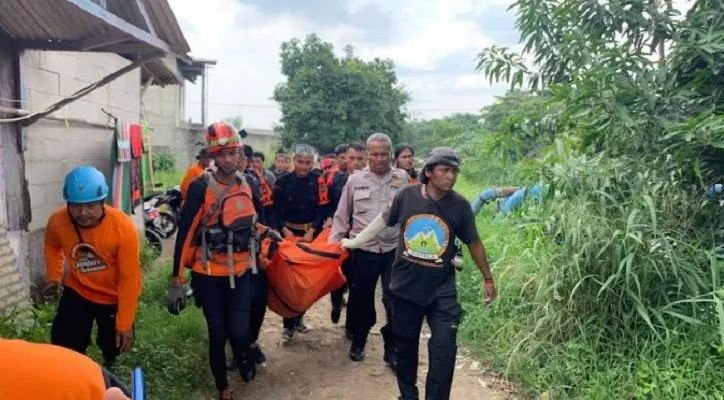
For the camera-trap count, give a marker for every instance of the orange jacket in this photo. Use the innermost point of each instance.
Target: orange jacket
(105, 268)
(48, 372)
(193, 172)
(191, 253)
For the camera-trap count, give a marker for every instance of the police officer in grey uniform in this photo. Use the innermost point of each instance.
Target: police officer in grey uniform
(369, 192)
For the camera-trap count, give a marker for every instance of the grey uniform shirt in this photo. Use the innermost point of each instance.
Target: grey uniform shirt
(364, 197)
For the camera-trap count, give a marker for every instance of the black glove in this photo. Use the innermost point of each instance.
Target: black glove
(176, 300)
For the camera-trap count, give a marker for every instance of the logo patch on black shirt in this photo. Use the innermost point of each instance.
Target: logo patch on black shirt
(426, 238)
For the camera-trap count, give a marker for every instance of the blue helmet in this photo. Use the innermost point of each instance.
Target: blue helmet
(85, 184)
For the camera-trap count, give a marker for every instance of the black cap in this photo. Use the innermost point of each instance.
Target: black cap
(443, 155)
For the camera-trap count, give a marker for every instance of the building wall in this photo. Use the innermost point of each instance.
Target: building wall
(160, 108)
(53, 147)
(261, 140)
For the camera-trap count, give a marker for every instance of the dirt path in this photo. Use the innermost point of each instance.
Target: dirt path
(315, 365)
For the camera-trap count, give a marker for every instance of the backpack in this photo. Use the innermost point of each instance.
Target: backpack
(229, 226)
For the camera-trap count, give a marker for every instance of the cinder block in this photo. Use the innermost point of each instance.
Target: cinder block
(41, 214)
(41, 100)
(37, 194)
(42, 172)
(35, 150)
(68, 85)
(53, 191)
(56, 149)
(64, 63)
(84, 109)
(51, 60)
(41, 80)
(31, 58)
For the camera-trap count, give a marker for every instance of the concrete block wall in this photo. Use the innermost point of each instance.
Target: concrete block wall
(162, 112)
(53, 147)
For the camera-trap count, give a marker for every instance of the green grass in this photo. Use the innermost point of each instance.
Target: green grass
(169, 178)
(172, 350)
(510, 335)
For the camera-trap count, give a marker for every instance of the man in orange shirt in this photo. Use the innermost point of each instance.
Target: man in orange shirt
(48, 372)
(195, 171)
(101, 245)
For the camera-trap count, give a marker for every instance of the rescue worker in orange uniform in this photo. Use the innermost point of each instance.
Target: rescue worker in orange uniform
(259, 285)
(195, 170)
(102, 248)
(301, 202)
(405, 160)
(48, 372)
(218, 240)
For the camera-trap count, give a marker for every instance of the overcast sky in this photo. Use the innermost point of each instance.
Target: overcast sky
(432, 42)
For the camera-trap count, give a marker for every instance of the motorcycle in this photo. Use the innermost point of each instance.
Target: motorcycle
(159, 225)
(172, 198)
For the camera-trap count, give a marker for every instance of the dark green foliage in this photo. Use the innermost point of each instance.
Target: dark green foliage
(163, 162)
(328, 100)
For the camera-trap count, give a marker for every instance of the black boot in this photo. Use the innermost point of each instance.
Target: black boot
(390, 356)
(336, 313)
(391, 359)
(257, 355)
(357, 352)
(247, 369)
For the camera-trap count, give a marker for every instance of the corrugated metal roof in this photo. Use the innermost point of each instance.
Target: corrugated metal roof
(47, 20)
(58, 23)
(163, 71)
(191, 68)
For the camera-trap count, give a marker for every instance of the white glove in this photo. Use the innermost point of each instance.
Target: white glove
(367, 234)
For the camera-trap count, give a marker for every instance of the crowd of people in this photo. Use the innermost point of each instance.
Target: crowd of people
(400, 225)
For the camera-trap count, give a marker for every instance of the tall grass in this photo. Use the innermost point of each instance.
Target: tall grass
(610, 290)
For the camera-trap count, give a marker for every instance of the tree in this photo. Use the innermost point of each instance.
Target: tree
(327, 100)
(635, 129)
(451, 130)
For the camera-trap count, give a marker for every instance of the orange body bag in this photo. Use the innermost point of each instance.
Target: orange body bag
(300, 273)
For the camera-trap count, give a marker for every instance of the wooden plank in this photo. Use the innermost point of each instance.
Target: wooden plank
(115, 21)
(99, 42)
(144, 14)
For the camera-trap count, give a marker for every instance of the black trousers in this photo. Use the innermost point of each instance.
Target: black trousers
(228, 318)
(443, 316)
(73, 325)
(290, 323)
(337, 296)
(260, 290)
(366, 270)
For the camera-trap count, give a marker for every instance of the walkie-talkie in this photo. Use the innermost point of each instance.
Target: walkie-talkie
(139, 385)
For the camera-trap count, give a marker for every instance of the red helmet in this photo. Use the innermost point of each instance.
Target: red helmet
(221, 135)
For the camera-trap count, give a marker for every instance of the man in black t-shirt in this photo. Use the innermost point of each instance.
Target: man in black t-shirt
(431, 216)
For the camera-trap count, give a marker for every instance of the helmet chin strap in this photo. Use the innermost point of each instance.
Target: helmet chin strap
(75, 223)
